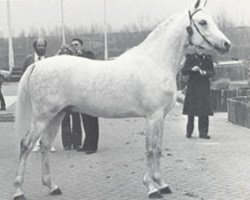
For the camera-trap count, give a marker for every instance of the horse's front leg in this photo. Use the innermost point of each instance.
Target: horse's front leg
(154, 131)
(163, 186)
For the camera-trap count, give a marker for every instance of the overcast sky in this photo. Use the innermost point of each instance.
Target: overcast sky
(46, 13)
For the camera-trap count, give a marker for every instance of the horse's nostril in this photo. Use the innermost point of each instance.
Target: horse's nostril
(227, 45)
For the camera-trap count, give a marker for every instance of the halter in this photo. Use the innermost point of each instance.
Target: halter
(190, 30)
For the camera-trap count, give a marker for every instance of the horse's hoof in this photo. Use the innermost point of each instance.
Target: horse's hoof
(155, 195)
(20, 197)
(56, 192)
(165, 190)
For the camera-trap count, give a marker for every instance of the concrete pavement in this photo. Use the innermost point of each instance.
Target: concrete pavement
(216, 169)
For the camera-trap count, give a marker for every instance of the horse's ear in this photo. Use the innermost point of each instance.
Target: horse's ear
(197, 4)
(205, 3)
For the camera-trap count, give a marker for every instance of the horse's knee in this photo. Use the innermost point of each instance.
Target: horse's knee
(149, 152)
(154, 152)
(159, 152)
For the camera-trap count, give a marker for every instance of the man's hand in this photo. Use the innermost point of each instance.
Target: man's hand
(77, 52)
(202, 72)
(195, 68)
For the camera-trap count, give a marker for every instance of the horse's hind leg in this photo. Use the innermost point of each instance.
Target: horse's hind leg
(26, 146)
(46, 143)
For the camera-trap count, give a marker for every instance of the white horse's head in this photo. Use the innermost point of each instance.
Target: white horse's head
(203, 32)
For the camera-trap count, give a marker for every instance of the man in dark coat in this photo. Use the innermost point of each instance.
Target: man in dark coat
(39, 47)
(199, 67)
(90, 123)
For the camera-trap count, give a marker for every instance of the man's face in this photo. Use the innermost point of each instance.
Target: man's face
(76, 46)
(40, 47)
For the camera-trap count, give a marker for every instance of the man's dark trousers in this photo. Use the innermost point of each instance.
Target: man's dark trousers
(71, 138)
(2, 100)
(66, 132)
(202, 125)
(91, 127)
(76, 131)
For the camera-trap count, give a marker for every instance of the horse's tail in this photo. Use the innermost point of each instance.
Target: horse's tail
(23, 112)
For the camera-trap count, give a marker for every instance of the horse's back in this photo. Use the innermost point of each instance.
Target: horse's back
(103, 88)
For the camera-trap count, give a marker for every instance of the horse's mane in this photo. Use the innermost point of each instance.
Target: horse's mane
(162, 26)
(156, 32)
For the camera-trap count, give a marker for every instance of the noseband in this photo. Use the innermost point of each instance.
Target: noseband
(190, 31)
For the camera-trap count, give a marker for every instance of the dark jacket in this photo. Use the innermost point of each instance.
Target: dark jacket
(198, 100)
(27, 62)
(88, 54)
(30, 59)
(1, 80)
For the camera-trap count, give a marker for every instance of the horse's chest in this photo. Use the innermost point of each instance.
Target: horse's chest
(159, 94)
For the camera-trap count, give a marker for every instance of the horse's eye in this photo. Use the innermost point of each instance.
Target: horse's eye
(203, 23)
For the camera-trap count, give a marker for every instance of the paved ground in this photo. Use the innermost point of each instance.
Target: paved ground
(217, 169)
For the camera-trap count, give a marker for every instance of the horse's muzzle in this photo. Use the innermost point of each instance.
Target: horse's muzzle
(225, 47)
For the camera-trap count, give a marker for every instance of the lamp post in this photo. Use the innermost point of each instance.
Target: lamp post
(10, 43)
(105, 30)
(63, 26)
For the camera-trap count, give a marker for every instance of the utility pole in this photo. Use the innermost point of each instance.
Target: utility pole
(10, 43)
(63, 26)
(105, 30)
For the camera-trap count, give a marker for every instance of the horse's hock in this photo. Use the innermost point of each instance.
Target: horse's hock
(239, 111)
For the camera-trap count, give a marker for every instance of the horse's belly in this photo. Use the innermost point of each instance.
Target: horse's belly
(107, 108)
(106, 112)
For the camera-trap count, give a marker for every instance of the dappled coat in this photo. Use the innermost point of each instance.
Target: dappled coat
(198, 100)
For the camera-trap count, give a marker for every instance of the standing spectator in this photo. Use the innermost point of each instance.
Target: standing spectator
(199, 67)
(1, 95)
(90, 123)
(67, 139)
(39, 47)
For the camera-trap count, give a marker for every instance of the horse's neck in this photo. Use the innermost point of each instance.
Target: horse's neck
(166, 43)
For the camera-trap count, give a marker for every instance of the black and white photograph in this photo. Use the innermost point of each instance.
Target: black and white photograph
(124, 99)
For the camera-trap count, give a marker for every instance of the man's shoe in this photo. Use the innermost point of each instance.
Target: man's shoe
(205, 136)
(3, 108)
(80, 149)
(188, 135)
(76, 146)
(66, 148)
(90, 151)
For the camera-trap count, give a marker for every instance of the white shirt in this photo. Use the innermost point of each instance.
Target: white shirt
(36, 57)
